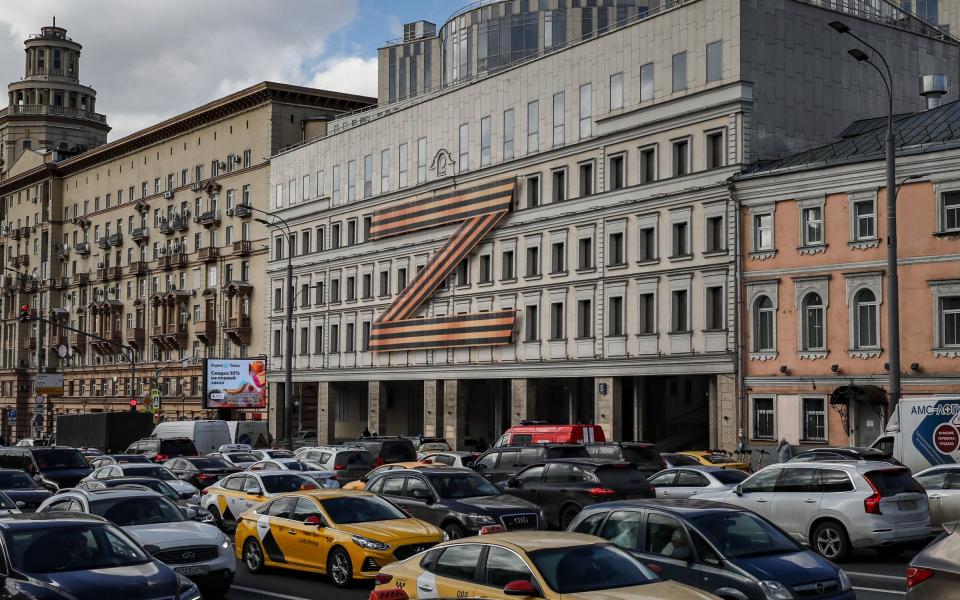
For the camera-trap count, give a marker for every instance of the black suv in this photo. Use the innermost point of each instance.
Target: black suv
(456, 500)
(498, 464)
(57, 465)
(387, 449)
(643, 455)
(161, 450)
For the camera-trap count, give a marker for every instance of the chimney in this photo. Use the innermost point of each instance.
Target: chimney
(933, 88)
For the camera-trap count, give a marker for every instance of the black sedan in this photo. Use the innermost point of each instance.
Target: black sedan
(459, 501)
(200, 471)
(25, 492)
(563, 487)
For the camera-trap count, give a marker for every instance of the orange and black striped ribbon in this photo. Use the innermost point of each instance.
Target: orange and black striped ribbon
(479, 209)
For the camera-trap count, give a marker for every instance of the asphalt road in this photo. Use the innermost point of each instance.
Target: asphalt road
(873, 577)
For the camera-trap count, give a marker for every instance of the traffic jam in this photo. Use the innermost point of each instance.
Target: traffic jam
(184, 511)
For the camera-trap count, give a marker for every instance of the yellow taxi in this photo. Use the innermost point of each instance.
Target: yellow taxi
(542, 564)
(347, 535)
(236, 493)
(361, 484)
(713, 458)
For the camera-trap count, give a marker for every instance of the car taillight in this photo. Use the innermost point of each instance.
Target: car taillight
(339, 467)
(379, 462)
(871, 504)
(917, 575)
(205, 476)
(383, 578)
(161, 457)
(204, 491)
(601, 492)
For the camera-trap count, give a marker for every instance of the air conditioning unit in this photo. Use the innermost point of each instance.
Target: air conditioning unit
(236, 158)
(229, 212)
(223, 166)
(168, 194)
(196, 186)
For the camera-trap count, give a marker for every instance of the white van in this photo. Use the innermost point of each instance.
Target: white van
(923, 432)
(207, 436)
(254, 433)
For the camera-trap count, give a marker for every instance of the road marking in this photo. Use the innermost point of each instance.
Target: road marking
(874, 590)
(265, 593)
(875, 576)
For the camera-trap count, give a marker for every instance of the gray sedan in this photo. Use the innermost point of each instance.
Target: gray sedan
(686, 482)
(942, 484)
(934, 574)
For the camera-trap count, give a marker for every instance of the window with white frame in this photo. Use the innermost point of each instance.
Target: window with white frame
(864, 215)
(533, 127)
(679, 72)
(559, 113)
(646, 82)
(764, 315)
(508, 134)
(813, 315)
(384, 171)
(763, 232)
(586, 110)
(485, 134)
(351, 181)
(463, 162)
(763, 419)
(949, 320)
(865, 319)
(403, 165)
(616, 91)
(811, 222)
(950, 212)
(421, 160)
(814, 419)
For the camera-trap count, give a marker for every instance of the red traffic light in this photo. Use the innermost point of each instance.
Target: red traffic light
(133, 402)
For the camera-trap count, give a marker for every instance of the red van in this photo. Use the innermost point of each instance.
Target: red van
(528, 433)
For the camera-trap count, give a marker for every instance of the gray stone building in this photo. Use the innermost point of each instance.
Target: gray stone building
(604, 290)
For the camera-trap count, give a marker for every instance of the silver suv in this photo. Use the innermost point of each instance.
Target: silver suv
(835, 507)
(349, 463)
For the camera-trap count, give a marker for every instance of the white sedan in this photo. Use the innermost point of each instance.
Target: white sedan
(324, 478)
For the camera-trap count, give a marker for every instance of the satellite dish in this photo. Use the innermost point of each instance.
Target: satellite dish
(62, 351)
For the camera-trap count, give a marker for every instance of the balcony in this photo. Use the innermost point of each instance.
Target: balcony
(55, 341)
(63, 282)
(238, 328)
(242, 248)
(165, 227)
(206, 331)
(208, 219)
(103, 243)
(115, 272)
(60, 111)
(81, 278)
(209, 254)
(135, 335)
(140, 234)
(116, 239)
(25, 232)
(82, 248)
(180, 224)
(15, 233)
(242, 210)
(62, 252)
(78, 341)
(29, 343)
(171, 261)
(102, 274)
(176, 336)
(21, 261)
(138, 268)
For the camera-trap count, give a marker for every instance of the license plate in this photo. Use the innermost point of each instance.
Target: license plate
(907, 505)
(194, 570)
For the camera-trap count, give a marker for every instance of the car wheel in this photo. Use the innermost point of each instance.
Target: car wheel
(339, 568)
(253, 556)
(217, 517)
(831, 542)
(453, 531)
(567, 516)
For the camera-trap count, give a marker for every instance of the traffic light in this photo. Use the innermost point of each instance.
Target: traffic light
(133, 405)
(25, 315)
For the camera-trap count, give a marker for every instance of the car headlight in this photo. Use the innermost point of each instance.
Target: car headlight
(774, 590)
(187, 590)
(480, 519)
(225, 542)
(369, 544)
(845, 583)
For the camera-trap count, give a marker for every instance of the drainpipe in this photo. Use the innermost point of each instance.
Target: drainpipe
(737, 317)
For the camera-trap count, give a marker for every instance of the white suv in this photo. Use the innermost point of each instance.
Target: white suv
(835, 507)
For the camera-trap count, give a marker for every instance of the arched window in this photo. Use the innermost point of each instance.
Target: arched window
(813, 318)
(865, 319)
(763, 331)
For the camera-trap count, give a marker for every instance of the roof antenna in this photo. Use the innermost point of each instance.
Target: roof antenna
(54, 19)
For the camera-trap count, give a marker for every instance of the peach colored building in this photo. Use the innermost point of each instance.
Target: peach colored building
(813, 290)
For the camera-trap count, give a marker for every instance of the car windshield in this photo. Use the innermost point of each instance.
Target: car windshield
(354, 458)
(643, 456)
(293, 482)
(172, 447)
(241, 457)
(16, 480)
(161, 473)
(6, 503)
(65, 458)
(462, 485)
(79, 548)
(434, 447)
(589, 568)
(743, 535)
(890, 482)
(296, 465)
(213, 462)
(361, 509)
(126, 512)
(729, 476)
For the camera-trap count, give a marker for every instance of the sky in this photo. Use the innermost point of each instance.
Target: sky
(150, 60)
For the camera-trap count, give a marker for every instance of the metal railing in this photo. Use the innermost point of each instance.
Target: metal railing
(47, 109)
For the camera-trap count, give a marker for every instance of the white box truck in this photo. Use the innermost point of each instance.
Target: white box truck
(923, 432)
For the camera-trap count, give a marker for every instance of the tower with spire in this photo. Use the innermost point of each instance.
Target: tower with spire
(50, 114)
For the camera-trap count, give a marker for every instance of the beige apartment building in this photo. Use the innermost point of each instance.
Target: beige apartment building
(149, 246)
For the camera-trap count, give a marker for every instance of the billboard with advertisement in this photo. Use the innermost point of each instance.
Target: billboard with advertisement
(234, 383)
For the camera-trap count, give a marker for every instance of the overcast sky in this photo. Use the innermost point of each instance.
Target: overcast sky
(149, 60)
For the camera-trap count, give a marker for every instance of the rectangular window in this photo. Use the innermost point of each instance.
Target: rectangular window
(402, 162)
(351, 232)
(507, 266)
(865, 220)
(318, 294)
(421, 160)
(615, 253)
(715, 234)
(950, 321)
(351, 181)
(485, 141)
(556, 321)
(814, 420)
(335, 185)
(401, 279)
(950, 207)
(648, 243)
(615, 316)
(365, 336)
(586, 178)
(351, 288)
(681, 157)
(616, 91)
(366, 286)
(335, 338)
(462, 273)
(304, 340)
(559, 185)
(334, 290)
(714, 62)
(486, 269)
(558, 257)
(277, 349)
(384, 171)
(533, 261)
(648, 307)
(533, 191)
(319, 238)
(681, 245)
(533, 127)
(680, 72)
(531, 323)
(335, 236)
(679, 322)
(586, 110)
(716, 157)
(368, 176)
(318, 339)
(278, 196)
(618, 172)
(384, 283)
(646, 82)
(559, 112)
(306, 187)
(585, 253)
(463, 162)
(763, 419)
(508, 134)
(714, 300)
(812, 226)
(763, 232)
(584, 319)
(648, 164)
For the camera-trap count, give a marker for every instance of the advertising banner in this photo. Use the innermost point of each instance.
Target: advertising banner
(234, 383)
(50, 384)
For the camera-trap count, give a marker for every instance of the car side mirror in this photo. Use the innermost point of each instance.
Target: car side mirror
(513, 482)
(738, 490)
(21, 503)
(314, 521)
(520, 587)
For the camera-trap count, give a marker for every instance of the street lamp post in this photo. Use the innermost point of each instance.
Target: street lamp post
(893, 280)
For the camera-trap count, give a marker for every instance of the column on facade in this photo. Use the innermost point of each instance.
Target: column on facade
(454, 412)
(608, 405)
(376, 407)
(433, 408)
(522, 400)
(275, 410)
(326, 420)
(712, 411)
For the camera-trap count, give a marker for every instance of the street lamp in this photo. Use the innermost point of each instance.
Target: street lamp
(893, 279)
(288, 359)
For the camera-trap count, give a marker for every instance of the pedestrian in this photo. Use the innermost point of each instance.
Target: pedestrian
(365, 433)
(784, 450)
